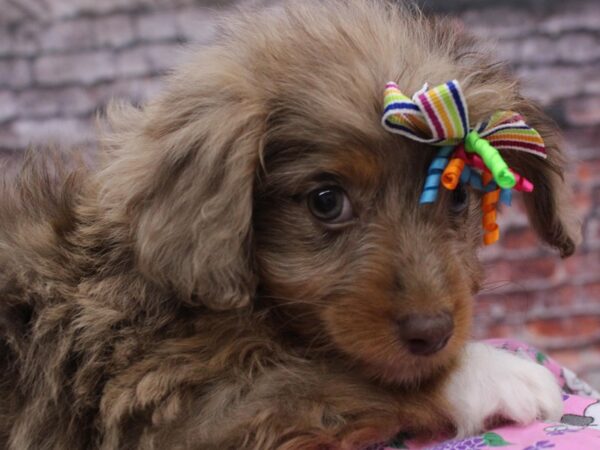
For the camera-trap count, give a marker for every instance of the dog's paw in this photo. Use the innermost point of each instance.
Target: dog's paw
(491, 384)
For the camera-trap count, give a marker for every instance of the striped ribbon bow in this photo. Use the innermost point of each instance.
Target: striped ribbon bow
(439, 116)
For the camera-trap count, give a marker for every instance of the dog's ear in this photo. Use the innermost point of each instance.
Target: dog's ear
(549, 206)
(181, 174)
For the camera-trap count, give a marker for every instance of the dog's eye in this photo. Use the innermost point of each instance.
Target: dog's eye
(330, 204)
(459, 199)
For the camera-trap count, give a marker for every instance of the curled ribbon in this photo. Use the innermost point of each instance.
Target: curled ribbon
(452, 173)
(470, 154)
(491, 231)
(434, 175)
(522, 184)
(472, 178)
(491, 158)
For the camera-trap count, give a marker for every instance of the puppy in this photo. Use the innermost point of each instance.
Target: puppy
(250, 268)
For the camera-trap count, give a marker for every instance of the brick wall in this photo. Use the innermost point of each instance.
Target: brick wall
(530, 293)
(61, 60)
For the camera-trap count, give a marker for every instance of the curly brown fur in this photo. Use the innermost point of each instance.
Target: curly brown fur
(183, 296)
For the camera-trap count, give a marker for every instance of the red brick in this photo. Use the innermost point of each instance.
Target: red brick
(533, 50)
(19, 41)
(583, 266)
(5, 42)
(9, 140)
(132, 62)
(596, 197)
(15, 73)
(560, 297)
(158, 26)
(520, 238)
(163, 57)
(589, 171)
(578, 47)
(12, 14)
(509, 307)
(568, 358)
(591, 374)
(496, 331)
(582, 143)
(497, 273)
(25, 39)
(87, 68)
(591, 291)
(69, 8)
(8, 106)
(34, 9)
(196, 25)
(115, 31)
(37, 103)
(583, 17)
(592, 234)
(138, 90)
(568, 327)
(548, 84)
(60, 130)
(583, 111)
(68, 35)
(582, 200)
(533, 269)
(484, 21)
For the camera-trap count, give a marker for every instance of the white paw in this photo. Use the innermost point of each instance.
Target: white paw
(492, 383)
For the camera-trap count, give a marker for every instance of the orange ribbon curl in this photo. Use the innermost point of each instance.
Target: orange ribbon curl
(452, 172)
(490, 201)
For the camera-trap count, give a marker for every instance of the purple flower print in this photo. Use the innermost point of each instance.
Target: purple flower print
(540, 445)
(472, 443)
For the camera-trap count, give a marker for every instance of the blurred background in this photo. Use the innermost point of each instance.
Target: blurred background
(61, 61)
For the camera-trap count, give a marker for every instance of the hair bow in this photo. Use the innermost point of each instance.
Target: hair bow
(470, 154)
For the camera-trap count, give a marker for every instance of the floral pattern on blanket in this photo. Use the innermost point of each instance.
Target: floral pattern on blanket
(578, 429)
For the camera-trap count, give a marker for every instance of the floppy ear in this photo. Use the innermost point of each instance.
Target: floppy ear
(181, 176)
(549, 205)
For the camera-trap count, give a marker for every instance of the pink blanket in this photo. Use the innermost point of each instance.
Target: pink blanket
(578, 429)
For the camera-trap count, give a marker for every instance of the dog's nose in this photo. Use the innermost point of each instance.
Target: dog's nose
(426, 334)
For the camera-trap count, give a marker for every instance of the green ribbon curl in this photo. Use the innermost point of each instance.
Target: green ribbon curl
(492, 159)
